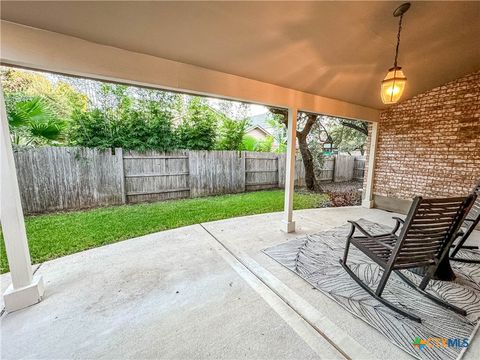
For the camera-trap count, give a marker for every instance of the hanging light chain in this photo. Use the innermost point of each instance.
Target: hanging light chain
(398, 40)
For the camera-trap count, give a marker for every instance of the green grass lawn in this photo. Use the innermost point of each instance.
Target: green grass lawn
(54, 235)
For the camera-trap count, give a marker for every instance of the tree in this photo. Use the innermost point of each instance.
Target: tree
(146, 127)
(160, 130)
(279, 133)
(127, 117)
(318, 130)
(198, 130)
(231, 133)
(360, 126)
(265, 145)
(347, 138)
(250, 143)
(307, 120)
(92, 129)
(345, 135)
(32, 122)
(232, 109)
(60, 97)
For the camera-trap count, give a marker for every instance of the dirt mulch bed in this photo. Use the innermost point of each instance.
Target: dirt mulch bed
(341, 187)
(347, 193)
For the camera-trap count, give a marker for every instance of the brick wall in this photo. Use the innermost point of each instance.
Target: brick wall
(430, 145)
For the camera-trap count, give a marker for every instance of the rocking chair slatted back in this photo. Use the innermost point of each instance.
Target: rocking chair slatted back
(469, 224)
(475, 210)
(429, 227)
(424, 241)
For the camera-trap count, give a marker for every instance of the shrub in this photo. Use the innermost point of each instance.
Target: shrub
(91, 129)
(198, 130)
(231, 134)
(147, 128)
(249, 143)
(265, 145)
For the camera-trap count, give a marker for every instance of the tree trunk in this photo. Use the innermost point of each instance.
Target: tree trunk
(307, 159)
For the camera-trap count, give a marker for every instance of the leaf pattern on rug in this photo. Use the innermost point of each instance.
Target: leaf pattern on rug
(315, 258)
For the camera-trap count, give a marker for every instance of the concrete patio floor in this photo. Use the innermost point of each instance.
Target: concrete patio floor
(202, 291)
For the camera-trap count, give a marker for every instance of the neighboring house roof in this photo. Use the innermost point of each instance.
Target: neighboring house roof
(259, 128)
(260, 121)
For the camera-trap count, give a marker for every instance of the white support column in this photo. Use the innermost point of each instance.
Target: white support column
(24, 290)
(288, 223)
(367, 201)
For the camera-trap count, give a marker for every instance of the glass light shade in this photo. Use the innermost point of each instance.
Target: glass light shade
(393, 86)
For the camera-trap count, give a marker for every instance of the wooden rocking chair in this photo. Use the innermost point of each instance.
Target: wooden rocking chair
(469, 224)
(424, 240)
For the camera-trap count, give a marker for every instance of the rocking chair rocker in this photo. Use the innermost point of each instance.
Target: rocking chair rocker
(424, 240)
(469, 224)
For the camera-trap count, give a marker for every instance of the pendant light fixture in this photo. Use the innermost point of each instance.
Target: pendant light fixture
(394, 83)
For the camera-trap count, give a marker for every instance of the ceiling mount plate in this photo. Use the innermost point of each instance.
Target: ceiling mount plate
(402, 9)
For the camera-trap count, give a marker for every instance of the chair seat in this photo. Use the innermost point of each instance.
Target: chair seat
(378, 248)
(426, 235)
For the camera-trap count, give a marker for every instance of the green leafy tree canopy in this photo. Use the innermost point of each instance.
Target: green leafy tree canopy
(231, 133)
(198, 131)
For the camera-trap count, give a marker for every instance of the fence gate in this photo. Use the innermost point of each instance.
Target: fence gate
(261, 171)
(154, 176)
(343, 168)
(328, 169)
(359, 169)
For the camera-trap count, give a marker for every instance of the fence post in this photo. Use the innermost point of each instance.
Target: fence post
(119, 153)
(244, 153)
(278, 170)
(334, 166)
(244, 168)
(189, 176)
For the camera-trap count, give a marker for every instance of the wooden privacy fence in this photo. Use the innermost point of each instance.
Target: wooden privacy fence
(358, 169)
(154, 176)
(327, 173)
(343, 167)
(56, 178)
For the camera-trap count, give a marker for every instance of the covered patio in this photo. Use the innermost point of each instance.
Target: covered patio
(208, 291)
(204, 291)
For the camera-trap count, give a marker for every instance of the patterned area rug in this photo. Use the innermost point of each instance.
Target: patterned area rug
(315, 259)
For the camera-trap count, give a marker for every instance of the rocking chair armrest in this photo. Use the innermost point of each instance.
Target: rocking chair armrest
(397, 225)
(357, 226)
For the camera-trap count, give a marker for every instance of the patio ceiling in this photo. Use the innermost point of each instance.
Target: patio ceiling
(336, 50)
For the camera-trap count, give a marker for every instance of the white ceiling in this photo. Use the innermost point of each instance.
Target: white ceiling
(340, 50)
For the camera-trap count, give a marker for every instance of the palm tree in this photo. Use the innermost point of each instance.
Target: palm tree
(32, 122)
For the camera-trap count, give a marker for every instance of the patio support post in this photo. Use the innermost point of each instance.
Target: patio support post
(25, 290)
(367, 201)
(288, 223)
